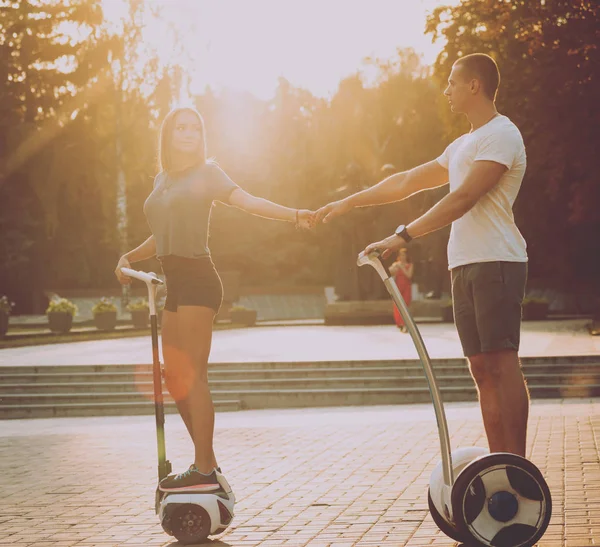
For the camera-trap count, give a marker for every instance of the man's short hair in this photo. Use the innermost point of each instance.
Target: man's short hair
(483, 68)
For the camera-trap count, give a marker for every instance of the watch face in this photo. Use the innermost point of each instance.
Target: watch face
(400, 229)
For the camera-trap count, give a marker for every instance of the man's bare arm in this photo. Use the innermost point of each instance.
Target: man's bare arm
(402, 185)
(392, 189)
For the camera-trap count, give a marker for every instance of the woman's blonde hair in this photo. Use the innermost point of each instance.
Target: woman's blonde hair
(165, 160)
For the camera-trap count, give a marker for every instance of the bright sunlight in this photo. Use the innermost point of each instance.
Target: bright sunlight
(247, 46)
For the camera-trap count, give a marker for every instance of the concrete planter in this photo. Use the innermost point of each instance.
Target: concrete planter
(447, 314)
(140, 318)
(59, 321)
(3, 324)
(243, 317)
(106, 320)
(535, 311)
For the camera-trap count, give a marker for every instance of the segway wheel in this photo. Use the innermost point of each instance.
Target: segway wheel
(501, 500)
(190, 523)
(442, 523)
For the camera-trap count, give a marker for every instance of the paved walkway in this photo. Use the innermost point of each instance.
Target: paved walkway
(312, 477)
(313, 343)
(336, 477)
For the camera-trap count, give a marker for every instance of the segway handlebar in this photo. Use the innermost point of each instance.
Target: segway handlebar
(373, 259)
(146, 277)
(152, 282)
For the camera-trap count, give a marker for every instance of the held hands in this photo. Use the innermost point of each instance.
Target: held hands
(332, 210)
(305, 219)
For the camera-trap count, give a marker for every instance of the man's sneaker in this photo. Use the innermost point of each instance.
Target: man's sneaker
(190, 481)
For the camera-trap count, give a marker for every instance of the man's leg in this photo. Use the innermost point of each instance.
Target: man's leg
(504, 399)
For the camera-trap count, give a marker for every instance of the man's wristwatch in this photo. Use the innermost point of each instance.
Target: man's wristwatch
(403, 233)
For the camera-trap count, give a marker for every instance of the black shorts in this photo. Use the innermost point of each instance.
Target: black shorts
(191, 282)
(487, 300)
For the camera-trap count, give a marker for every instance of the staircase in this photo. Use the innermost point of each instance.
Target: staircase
(103, 390)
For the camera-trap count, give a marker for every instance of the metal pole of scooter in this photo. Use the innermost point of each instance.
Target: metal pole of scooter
(152, 282)
(164, 466)
(373, 260)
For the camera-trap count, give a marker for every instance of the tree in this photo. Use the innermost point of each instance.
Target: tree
(548, 57)
(42, 71)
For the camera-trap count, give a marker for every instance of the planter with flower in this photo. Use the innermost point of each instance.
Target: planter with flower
(140, 313)
(6, 307)
(242, 315)
(105, 314)
(60, 313)
(447, 311)
(535, 309)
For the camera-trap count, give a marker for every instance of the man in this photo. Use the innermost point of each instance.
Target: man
(486, 253)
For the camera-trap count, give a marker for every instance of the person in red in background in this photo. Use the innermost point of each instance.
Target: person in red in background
(402, 270)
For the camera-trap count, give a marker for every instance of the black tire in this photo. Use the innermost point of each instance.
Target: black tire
(190, 523)
(448, 529)
(469, 498)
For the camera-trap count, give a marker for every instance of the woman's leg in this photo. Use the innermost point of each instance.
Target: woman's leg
(177, 375)
(194, 327)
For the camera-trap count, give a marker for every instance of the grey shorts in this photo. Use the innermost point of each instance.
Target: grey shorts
(487, 300)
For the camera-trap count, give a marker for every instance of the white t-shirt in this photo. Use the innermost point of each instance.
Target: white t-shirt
(488, 231)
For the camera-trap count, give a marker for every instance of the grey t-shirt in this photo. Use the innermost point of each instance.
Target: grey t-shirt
(178, 209)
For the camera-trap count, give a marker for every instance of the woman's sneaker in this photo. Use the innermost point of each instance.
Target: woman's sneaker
(190, 481)
(223, 481)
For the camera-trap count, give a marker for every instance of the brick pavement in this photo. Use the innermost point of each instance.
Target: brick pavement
(335, 477)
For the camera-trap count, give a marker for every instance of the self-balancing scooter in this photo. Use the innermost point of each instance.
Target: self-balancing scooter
(491, 500)
(189, 517)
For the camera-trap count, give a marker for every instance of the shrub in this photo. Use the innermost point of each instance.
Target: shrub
(62, 305)
(104, 305)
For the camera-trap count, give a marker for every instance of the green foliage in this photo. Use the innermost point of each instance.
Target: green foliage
(534, 300)
(140, 304)
(6, 305)
(68, 135)
(61, 305)
(548, 57)
(238, 308)
(104, 305)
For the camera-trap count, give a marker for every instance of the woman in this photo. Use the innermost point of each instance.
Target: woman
(402, 270)
(178, 213)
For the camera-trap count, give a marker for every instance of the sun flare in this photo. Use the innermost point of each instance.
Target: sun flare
(247, 46)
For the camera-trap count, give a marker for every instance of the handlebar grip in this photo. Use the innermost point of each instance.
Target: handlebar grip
(373, 259)
(366, 259)
(146, 277)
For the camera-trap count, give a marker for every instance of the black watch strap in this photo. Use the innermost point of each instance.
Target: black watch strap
(402, 232)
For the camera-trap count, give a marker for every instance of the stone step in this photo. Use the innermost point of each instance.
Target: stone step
(286, 397)
(80, 373)
(291, 380)
(12, 380)
(225, 375)
(133, 408)
(81, 397)
(103, 390)
(259, 399)
(219, 367)
(131, 404)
